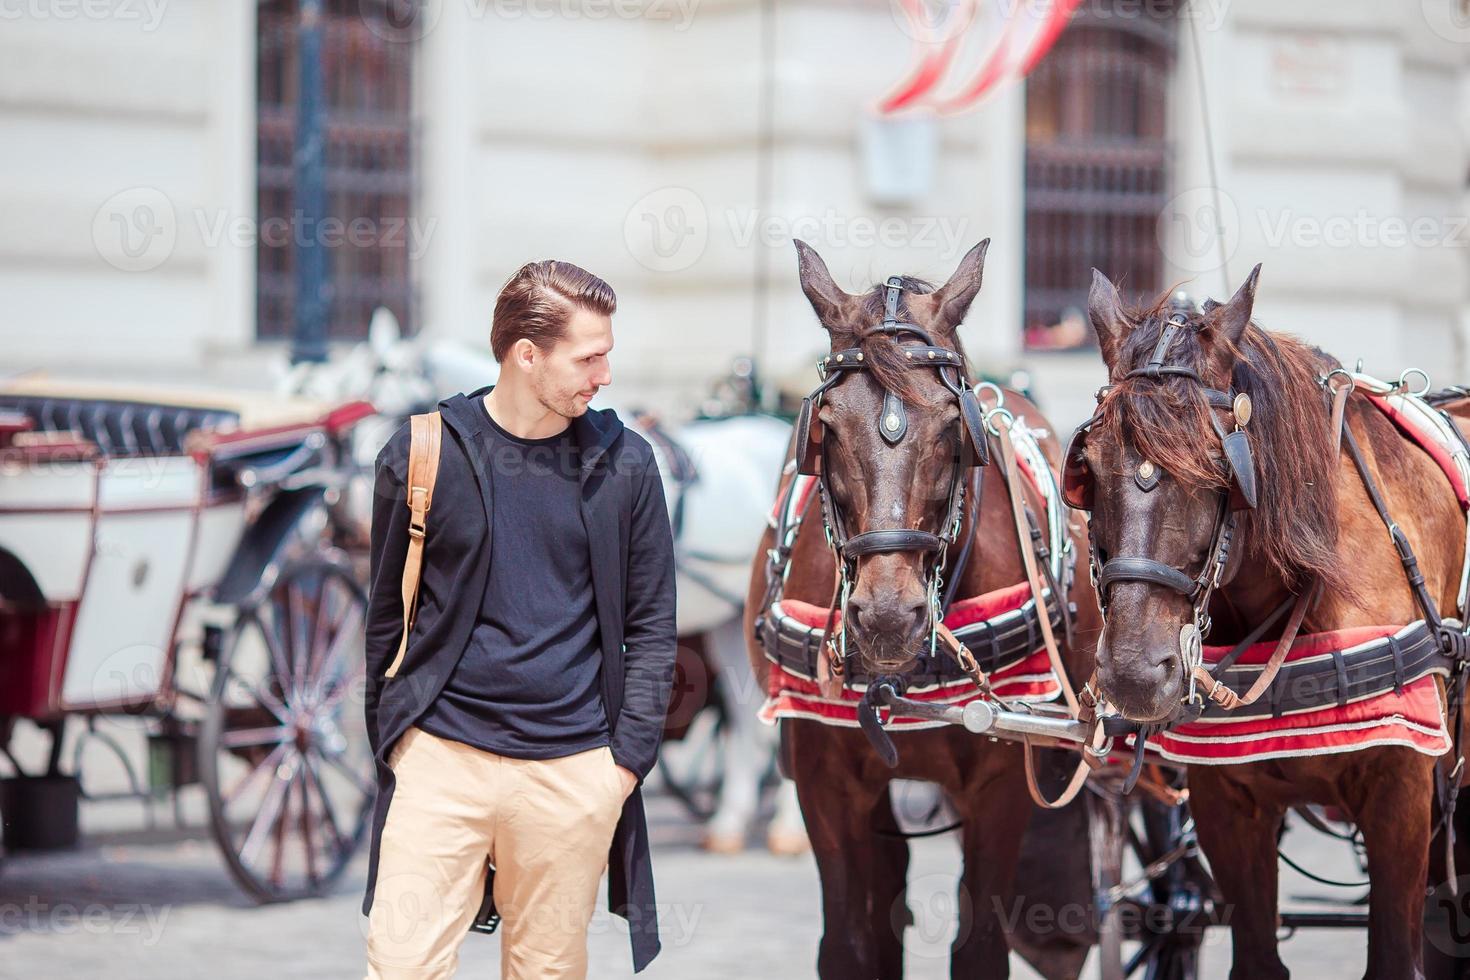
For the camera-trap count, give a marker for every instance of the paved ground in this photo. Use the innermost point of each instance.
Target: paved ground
(138, 904)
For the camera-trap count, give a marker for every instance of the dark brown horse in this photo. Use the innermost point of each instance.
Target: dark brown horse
(842, 783)
(1157, 472)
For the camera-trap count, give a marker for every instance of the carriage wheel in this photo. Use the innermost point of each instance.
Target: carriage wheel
(1107, 816)
(283, 749)
(1178, 894)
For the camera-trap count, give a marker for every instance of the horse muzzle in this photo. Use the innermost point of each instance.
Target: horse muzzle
(1142, 677)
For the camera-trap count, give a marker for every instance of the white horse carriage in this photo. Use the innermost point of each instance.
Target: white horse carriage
(186, 559)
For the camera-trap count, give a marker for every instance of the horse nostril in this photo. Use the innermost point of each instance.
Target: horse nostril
(897, 618)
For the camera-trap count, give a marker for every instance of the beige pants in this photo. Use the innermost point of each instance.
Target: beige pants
(546, 825)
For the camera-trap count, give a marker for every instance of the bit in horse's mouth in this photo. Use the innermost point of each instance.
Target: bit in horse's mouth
(901, 666)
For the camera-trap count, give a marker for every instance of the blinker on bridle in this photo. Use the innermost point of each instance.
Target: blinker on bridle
(1238, 494)
(892, 424)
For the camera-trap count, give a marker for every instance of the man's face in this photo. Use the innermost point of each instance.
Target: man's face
(567, 377)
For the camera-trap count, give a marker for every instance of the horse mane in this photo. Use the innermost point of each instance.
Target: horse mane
(884, 353)
(1167, 420)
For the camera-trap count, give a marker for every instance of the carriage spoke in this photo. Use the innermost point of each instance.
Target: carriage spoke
(297, 644)
(267, 816)
(345, 636)
(356, 778)
(270, 762)
(278, 868)
(320, 634)
(262, 697)
(306, 821)
(330, 821)
(242, 738)
(278, 657)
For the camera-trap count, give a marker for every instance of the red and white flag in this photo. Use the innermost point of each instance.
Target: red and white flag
(1010, 42)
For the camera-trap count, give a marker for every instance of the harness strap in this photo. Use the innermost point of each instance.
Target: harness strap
(952, 585)
(1146, 570)
(1012, 473)
(829, 670)
(1079, 775)
(1395, 533)
(1217, 691)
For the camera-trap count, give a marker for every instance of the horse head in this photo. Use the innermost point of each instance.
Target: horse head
(890, 445)
(1209, 450)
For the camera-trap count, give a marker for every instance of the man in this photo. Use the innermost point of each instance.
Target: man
(529, 704)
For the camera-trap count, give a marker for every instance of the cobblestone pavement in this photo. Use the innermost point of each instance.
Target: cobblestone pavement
(135, 904)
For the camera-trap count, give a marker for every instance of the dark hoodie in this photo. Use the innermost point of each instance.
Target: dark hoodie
(631, 551)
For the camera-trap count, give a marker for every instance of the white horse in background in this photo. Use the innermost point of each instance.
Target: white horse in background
(719, 512)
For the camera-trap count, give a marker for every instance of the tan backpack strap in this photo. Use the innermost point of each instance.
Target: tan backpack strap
(425, 432)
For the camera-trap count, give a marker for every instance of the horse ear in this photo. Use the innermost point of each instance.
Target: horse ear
(826, 297)
(1230, 319)
(1105, 310)
(952, 300)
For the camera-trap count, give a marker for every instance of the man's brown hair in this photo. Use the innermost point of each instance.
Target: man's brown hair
(537, 302)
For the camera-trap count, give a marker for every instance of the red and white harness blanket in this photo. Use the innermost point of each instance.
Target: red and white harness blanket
(792, 695)
(1410, 718)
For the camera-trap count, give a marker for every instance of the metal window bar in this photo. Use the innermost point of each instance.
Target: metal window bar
(370, 165)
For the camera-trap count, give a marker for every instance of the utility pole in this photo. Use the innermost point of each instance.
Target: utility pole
(313, 264)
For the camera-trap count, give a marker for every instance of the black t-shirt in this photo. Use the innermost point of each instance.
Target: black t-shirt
(529, 683)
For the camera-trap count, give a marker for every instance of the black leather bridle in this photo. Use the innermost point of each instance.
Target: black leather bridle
(892, 426)
(1238, 494)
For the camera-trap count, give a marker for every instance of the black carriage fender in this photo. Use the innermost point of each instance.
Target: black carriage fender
(264, 542)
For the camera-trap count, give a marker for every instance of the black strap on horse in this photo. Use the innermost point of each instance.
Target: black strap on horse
(1453, 642)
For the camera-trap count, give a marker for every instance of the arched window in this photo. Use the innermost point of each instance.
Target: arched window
(1097, 163)
(366, 71)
